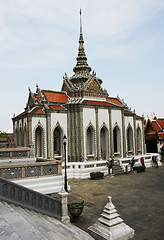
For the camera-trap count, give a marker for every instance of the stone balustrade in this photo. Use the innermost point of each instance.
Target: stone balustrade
(11, 153)
(30, 170)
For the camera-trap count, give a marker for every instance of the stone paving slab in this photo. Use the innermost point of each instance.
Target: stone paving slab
(22, 224)
(138, 198)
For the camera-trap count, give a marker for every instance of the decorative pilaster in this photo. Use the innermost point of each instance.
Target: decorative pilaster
(81, 134)
(97, 135)
(143, 137)
(73, 133)
(29, 130)
(110, 133)
(123, 133)
(63, 196)
(135, 136)
(69, 133)
(76, 133)
(49, 147)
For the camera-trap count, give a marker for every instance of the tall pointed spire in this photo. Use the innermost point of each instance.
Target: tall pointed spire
(80, 22)
(81, 65)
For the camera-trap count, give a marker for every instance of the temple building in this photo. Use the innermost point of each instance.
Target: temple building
(96, 125)
(154, 134)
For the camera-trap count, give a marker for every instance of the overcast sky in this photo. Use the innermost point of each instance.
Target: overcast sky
(124, 44)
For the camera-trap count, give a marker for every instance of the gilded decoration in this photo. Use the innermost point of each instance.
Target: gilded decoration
(94, 87)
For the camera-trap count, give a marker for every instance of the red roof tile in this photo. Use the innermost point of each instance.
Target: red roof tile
(56, 97)
(151, 136)
(57, 107)
(127, 112)
(98, 103)
(40, 111)
(161, 122)
(114, 101)
(38, 99)
(157, 127)
(161, 135)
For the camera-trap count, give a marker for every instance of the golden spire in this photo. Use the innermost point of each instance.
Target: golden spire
(80, 22)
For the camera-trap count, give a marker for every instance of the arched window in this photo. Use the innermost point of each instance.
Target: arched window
(139, 145)
(39, 142)
(104, 143)
(58, 141)
(90, 141)
(130, 139)
(116, 139)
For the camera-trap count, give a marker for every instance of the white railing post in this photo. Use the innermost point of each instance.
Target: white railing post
(63, 196)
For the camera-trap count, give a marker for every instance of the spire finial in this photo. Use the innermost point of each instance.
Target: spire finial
(80, 22)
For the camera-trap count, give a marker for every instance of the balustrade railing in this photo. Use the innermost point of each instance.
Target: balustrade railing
(20, 152)
(27, 198)
(31, 170)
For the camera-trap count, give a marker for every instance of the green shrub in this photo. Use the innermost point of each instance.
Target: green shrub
(3, 134)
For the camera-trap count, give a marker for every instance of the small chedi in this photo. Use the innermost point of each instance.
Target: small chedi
(110, 226)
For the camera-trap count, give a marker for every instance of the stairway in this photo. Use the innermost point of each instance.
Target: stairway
(117, 170)
(22, 224)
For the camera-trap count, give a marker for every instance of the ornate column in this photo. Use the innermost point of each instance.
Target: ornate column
(29, 130)
(97, 135)
(123, 133)
(49, 146)
(77, 140)
(143, 137)
(110, 133)
(81, 135)
(135, 136)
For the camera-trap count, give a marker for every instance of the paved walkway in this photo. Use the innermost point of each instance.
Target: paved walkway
(138, 198)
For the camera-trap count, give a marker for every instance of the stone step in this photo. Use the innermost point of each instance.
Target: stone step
(24, 224)
(45, 185)
(118, 170)
(15, 221)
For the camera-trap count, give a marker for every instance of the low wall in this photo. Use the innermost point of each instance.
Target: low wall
(21, 152)
(31, 170)
(27, 198)
(124, 162)
(83, 169)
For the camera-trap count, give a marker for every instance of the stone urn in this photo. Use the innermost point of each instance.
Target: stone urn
(75, 209)
(96, 175)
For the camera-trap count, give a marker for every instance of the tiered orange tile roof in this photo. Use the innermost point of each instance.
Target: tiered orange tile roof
(57, 107)
(38, 99)
(161, 122)
(157, 126)
(40, 111)
(98, 103)
(127, 112)
(114, 101)
(55, 97)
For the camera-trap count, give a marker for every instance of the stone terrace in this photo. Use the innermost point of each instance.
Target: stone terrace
(138, 198)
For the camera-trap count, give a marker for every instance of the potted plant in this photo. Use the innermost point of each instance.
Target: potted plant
(96, 175)
(139, 169)
(75, 209)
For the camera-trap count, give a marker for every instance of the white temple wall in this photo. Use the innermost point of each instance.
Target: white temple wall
(89, 117)
(116, 120)
(103, 118)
